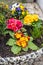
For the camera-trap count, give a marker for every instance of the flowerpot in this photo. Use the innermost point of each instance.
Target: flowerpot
(24, 58)
(40, 2)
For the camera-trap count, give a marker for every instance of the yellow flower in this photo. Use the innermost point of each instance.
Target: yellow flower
(13, 11)
(27, 12)
(18, 43)
(22, 7)
(28, 19)
(6, 6)
(18, 35)
(22, 38)
(35, 17)
(2, 3)
(26, 39)
(20, 4)
(23, 44)
(23, 13)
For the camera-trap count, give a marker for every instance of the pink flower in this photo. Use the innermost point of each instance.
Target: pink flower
(14, 24)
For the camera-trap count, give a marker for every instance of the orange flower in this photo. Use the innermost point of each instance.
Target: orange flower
(23, 44)
(18, 43)
(21, 39)
(18, 35)
(26, 39)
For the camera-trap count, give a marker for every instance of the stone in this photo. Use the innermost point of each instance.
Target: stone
(38, 63)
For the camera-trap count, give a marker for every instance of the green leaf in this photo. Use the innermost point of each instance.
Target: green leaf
(25, 49)
(23, 29)
(31, 38)
(32, 46)
(37, 24)
(36, 32)
(42, 44)
(25, 34)
(11, 42)
(16, 49)
(6, 32)
(11, 34)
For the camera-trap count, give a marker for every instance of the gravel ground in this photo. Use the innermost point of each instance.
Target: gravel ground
(33, 8)
(38, 61)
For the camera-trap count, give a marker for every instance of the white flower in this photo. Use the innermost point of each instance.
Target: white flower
(14, 6)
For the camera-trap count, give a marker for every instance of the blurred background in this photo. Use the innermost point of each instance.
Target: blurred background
(40, 2)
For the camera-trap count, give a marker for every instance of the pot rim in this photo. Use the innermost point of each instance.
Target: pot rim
(24, 58)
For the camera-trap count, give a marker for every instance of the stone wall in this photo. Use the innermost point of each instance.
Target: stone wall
(13, 1)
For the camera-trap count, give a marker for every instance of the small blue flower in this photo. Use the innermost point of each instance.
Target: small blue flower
(18, 9)
(25, 9)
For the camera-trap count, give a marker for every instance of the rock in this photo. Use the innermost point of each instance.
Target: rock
(38, 63)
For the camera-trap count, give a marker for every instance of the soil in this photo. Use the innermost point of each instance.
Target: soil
(5, 50)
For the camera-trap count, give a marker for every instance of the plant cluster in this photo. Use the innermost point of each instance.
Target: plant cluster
(12, 21)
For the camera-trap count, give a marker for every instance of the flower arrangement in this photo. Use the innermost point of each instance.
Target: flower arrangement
(13, 22)
(18, 11)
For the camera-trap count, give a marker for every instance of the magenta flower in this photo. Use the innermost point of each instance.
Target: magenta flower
(14, 24)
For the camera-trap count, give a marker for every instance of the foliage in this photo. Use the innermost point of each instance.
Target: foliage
(37, 29)
(2, 23)
(12, 21)
(18, 11)
(16, 49)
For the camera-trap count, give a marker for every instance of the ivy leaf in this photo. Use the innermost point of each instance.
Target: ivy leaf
(11, 42)
(25, 49)
(32, 46)
(15, 49)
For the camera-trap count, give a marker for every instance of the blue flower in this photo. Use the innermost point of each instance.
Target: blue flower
(25, 9)
(18, 9)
